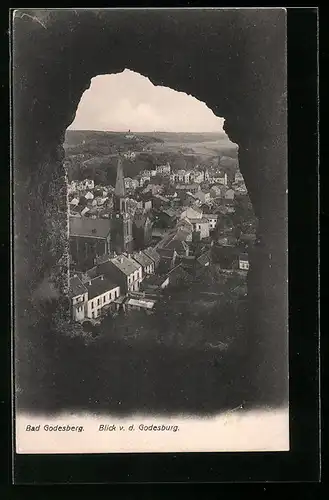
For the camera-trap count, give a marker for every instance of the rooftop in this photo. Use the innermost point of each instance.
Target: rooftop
(125, 264)
(145, 303)
(143, 259)
(98, 286)
(76, 287)
(153, 254)
(84, 226)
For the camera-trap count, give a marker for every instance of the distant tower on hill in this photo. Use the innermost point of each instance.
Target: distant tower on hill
(121, 223)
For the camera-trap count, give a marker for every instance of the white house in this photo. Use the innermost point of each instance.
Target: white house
(145, 261)
(101, 292)
(212, 220)
(181, 175)
(243, 262)
(219, 178)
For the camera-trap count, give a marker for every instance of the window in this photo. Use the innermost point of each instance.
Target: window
(104, 299)
(98, 302)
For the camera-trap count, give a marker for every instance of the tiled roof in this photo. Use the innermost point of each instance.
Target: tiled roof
(76, 287)
(99, 286)
(97, 228)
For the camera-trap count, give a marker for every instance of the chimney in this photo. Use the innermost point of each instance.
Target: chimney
(102, 276)
(89, 282)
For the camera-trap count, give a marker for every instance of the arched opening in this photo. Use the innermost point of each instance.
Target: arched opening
(49, 82)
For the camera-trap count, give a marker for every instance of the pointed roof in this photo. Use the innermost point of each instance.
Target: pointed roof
(120, 185)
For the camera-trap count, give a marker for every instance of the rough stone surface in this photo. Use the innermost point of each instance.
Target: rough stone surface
(233, 60)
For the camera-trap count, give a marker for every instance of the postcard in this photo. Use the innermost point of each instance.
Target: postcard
(150, 241)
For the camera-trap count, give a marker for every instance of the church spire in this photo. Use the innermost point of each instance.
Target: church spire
(120, 184)
(120, 202)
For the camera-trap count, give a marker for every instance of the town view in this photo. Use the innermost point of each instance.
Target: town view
(160, 230)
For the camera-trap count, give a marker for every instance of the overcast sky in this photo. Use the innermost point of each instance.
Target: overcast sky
(129, 100)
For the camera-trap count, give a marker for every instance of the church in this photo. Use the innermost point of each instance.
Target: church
(121, 223)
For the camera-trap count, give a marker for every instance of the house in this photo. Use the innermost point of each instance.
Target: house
(89, 195)
(123, 270)
(72, 187)
(127, 181)
(200, 226)
(219, 178)
(101, 293)
(101, 201)
(79, 211)
(143, 179)
(244, 262)
(191, 213)
(194, 264)
(163, 169)
(153, 254)
(180, 175)
(241, 189)
(203, 196)
(88, 184)
(88, 238)
(215, 192)
(91, 203)
(78, 295)
(212, 220)
(74, 202)
(152, 189)
(198, 177)
(154, 283)
(145, 261)
(229, 195)
(238, 177)
(167, 259)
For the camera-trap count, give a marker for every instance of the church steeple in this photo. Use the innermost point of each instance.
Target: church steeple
(119, 192)
(121, 224)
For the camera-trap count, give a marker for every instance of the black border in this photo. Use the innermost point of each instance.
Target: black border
(302, 462)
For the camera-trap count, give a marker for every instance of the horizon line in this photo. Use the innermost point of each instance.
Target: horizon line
(221, 132)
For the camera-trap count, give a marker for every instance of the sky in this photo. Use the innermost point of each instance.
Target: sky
(129, 101)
